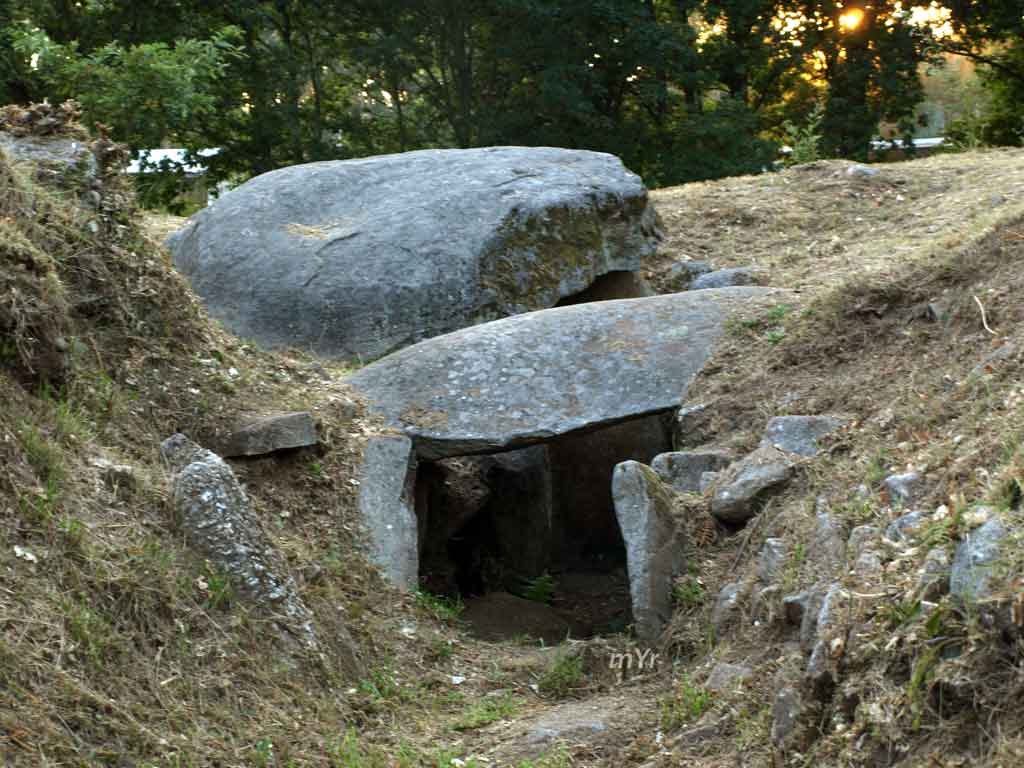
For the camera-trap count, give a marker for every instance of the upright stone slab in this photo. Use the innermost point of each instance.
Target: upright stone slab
(387, 504)
(654, 550)
(356, 258)
(213, 512)
(527, 379)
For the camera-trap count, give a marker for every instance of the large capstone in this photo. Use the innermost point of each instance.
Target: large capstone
(530, 378)
(356, 258)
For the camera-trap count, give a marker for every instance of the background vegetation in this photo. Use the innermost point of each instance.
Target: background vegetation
(683, 90)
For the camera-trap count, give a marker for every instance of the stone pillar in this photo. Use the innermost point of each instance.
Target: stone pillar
(387, 503)
(654, 551)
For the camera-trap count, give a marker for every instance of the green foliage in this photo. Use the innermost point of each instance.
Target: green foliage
(563, 676)
(440, 607)
(681, 91)
(805, 140)
(540, 589)
(686, 704)
(689, 593)
(148, 93)
(486, 711)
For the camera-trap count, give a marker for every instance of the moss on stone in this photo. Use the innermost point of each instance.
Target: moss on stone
(534, 256)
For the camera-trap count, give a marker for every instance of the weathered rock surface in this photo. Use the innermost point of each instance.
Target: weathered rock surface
(799, 434)
(272, 433)
(933, 580)
(356, 258)
(683, 470)
(742, 488)
(822, 634)
(904, 488)
(213, 512)
(905, 527)
(726, 606)
(786, 711)
(529, 378)
(59, 154)
(388, 507)
(724, 278)
(772, 559)
(974, 563)
(725, 676)
(828, 547)
(654, 549)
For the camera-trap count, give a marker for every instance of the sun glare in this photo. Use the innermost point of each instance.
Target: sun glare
(851, 19)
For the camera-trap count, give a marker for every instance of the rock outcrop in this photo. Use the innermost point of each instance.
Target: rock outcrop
(354, 259)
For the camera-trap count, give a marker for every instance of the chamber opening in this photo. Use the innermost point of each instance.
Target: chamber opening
(528, 539)
(609, 286)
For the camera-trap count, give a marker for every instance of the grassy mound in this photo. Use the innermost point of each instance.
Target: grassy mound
(117, 644)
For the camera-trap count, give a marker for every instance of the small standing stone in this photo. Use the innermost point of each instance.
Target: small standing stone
(214, 513)
(654, 551)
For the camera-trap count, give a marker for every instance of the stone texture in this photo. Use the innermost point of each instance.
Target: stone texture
(800, 434)
(742, 488)
(654, 549)
(772, 560)
(693, 426)
(786, 710)
(933, 580)
(683, 470)
(724, 278)
(387, 505)
(828, 548)
(60, 155)
(727, 676)
(904, 489)
(214, 514)
(861, 537)
(356, 258)
(681, 274)
(726, 605)
(904, 528)
(529, 378)
(272, 433)
(822, 633)
(974, 561)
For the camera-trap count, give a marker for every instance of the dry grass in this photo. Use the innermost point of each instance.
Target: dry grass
(814, 226)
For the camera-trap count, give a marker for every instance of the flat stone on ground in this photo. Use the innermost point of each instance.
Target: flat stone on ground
(272, 433)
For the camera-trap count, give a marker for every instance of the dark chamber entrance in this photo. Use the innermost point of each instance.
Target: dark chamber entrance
(528, 538)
